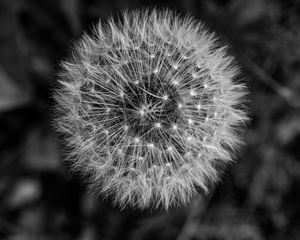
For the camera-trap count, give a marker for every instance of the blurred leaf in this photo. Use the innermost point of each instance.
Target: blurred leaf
(288, 128)
(11, 94)
(41, 152)
(248, 11)
(71, 10)
(24, 192)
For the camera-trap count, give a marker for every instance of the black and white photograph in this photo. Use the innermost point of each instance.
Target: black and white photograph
(149, 120)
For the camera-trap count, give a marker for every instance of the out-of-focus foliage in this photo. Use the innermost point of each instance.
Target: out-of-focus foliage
(259, 197)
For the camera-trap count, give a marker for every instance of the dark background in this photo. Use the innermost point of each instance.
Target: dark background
(259, 197)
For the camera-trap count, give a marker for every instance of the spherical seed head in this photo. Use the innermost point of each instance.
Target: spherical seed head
(162, 139)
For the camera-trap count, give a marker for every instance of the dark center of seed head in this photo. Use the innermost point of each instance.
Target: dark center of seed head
(148, 105)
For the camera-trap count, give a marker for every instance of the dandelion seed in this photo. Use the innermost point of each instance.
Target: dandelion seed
(175, 82)
(175, 66)
(165, 97)
(142, 112)
(188, 154)
(150, 145)
(127, 99)
(193, 93)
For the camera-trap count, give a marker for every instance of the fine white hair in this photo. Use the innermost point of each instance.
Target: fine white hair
(149, 106)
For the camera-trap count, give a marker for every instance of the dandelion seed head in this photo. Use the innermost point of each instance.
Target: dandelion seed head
(149, 107)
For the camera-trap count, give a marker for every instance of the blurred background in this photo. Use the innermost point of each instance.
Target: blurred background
(259, 197)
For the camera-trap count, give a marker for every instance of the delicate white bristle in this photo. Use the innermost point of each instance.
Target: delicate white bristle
(149, 108)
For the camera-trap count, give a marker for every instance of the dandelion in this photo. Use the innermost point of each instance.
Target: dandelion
(149, 107)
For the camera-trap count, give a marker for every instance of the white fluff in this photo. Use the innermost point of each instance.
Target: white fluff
(149, 107)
